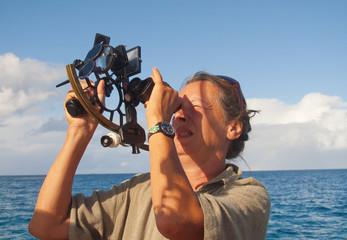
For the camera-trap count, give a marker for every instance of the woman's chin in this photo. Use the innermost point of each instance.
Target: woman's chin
(184, 146)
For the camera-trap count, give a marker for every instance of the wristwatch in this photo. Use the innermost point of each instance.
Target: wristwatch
(162, 127)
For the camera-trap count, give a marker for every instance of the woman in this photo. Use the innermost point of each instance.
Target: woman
(190, 193)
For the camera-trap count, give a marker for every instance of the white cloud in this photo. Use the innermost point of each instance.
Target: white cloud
(324, 117)
(12, 100)
(27, 99)
(28, 73)
(25, 82)
(309, 134)
(312, 107)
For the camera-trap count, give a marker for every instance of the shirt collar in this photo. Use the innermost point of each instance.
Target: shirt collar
(230, 174)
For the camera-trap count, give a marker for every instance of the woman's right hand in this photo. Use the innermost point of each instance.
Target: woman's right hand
(84, 123)
(163, 102)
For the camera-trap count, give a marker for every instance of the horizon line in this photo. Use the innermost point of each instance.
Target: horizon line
(244, 171)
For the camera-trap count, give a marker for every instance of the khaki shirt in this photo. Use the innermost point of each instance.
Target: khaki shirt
(234, 208)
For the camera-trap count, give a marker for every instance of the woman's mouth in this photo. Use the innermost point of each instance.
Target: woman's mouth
(183, 132)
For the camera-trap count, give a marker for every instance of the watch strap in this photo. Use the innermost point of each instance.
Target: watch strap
(157, 128)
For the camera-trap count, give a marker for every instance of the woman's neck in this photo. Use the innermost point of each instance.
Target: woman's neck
(200, 171)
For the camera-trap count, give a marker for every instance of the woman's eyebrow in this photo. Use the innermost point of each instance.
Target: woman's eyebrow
(206, 103)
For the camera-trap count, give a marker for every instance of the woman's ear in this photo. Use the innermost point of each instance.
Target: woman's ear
(234, 130)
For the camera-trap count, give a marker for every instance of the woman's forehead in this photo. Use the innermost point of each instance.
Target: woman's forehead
(203, 89)
(202, 93)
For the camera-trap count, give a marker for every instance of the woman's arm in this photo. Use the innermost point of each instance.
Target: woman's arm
(50, 219)
(51, 215)
(177, 210)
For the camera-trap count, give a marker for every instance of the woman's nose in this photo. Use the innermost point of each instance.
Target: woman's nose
(179, 115)
(183, 113)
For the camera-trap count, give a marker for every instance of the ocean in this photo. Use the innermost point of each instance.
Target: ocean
(306, 204)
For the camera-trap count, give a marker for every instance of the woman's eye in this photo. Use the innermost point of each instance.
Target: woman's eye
(200, 104)
(196, 105)
(204, 106)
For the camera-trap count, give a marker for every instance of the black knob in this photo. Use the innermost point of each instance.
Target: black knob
(74, 107)
(141, 89)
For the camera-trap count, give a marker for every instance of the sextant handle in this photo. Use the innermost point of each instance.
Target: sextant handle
(74, 107)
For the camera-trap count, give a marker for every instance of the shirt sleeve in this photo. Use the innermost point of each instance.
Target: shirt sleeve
(97, 216)
(239, 211)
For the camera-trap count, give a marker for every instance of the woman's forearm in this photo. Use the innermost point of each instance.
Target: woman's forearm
(176, 206)
(53, 203)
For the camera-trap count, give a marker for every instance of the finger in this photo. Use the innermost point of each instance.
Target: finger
(178, 104)
(70, 94)
(156, 76)
(166, 84)
(101, 91)
(86, 83)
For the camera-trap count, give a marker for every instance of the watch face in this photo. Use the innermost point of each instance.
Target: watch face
(167, 129)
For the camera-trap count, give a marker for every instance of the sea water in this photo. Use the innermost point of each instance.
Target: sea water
(309, 204)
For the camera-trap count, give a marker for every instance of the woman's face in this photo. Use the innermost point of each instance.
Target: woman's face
(200, 126)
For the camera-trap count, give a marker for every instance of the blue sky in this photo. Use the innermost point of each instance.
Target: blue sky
(280, 51)
(292, 46)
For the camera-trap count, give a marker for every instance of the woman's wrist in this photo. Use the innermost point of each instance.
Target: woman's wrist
(152, 122)
(80, 134)
(154, 119)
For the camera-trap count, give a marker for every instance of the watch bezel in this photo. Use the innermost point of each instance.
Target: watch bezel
(167, 129)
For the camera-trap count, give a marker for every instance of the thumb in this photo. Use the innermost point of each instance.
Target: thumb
(156, 76)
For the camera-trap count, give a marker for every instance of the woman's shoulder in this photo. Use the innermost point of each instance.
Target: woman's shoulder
(138, 178)
(248, 181)
(232, 186)
(138, 183)
(238, 180)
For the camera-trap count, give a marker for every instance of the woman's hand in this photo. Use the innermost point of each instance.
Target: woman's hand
(163, 102)
(85, 122)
